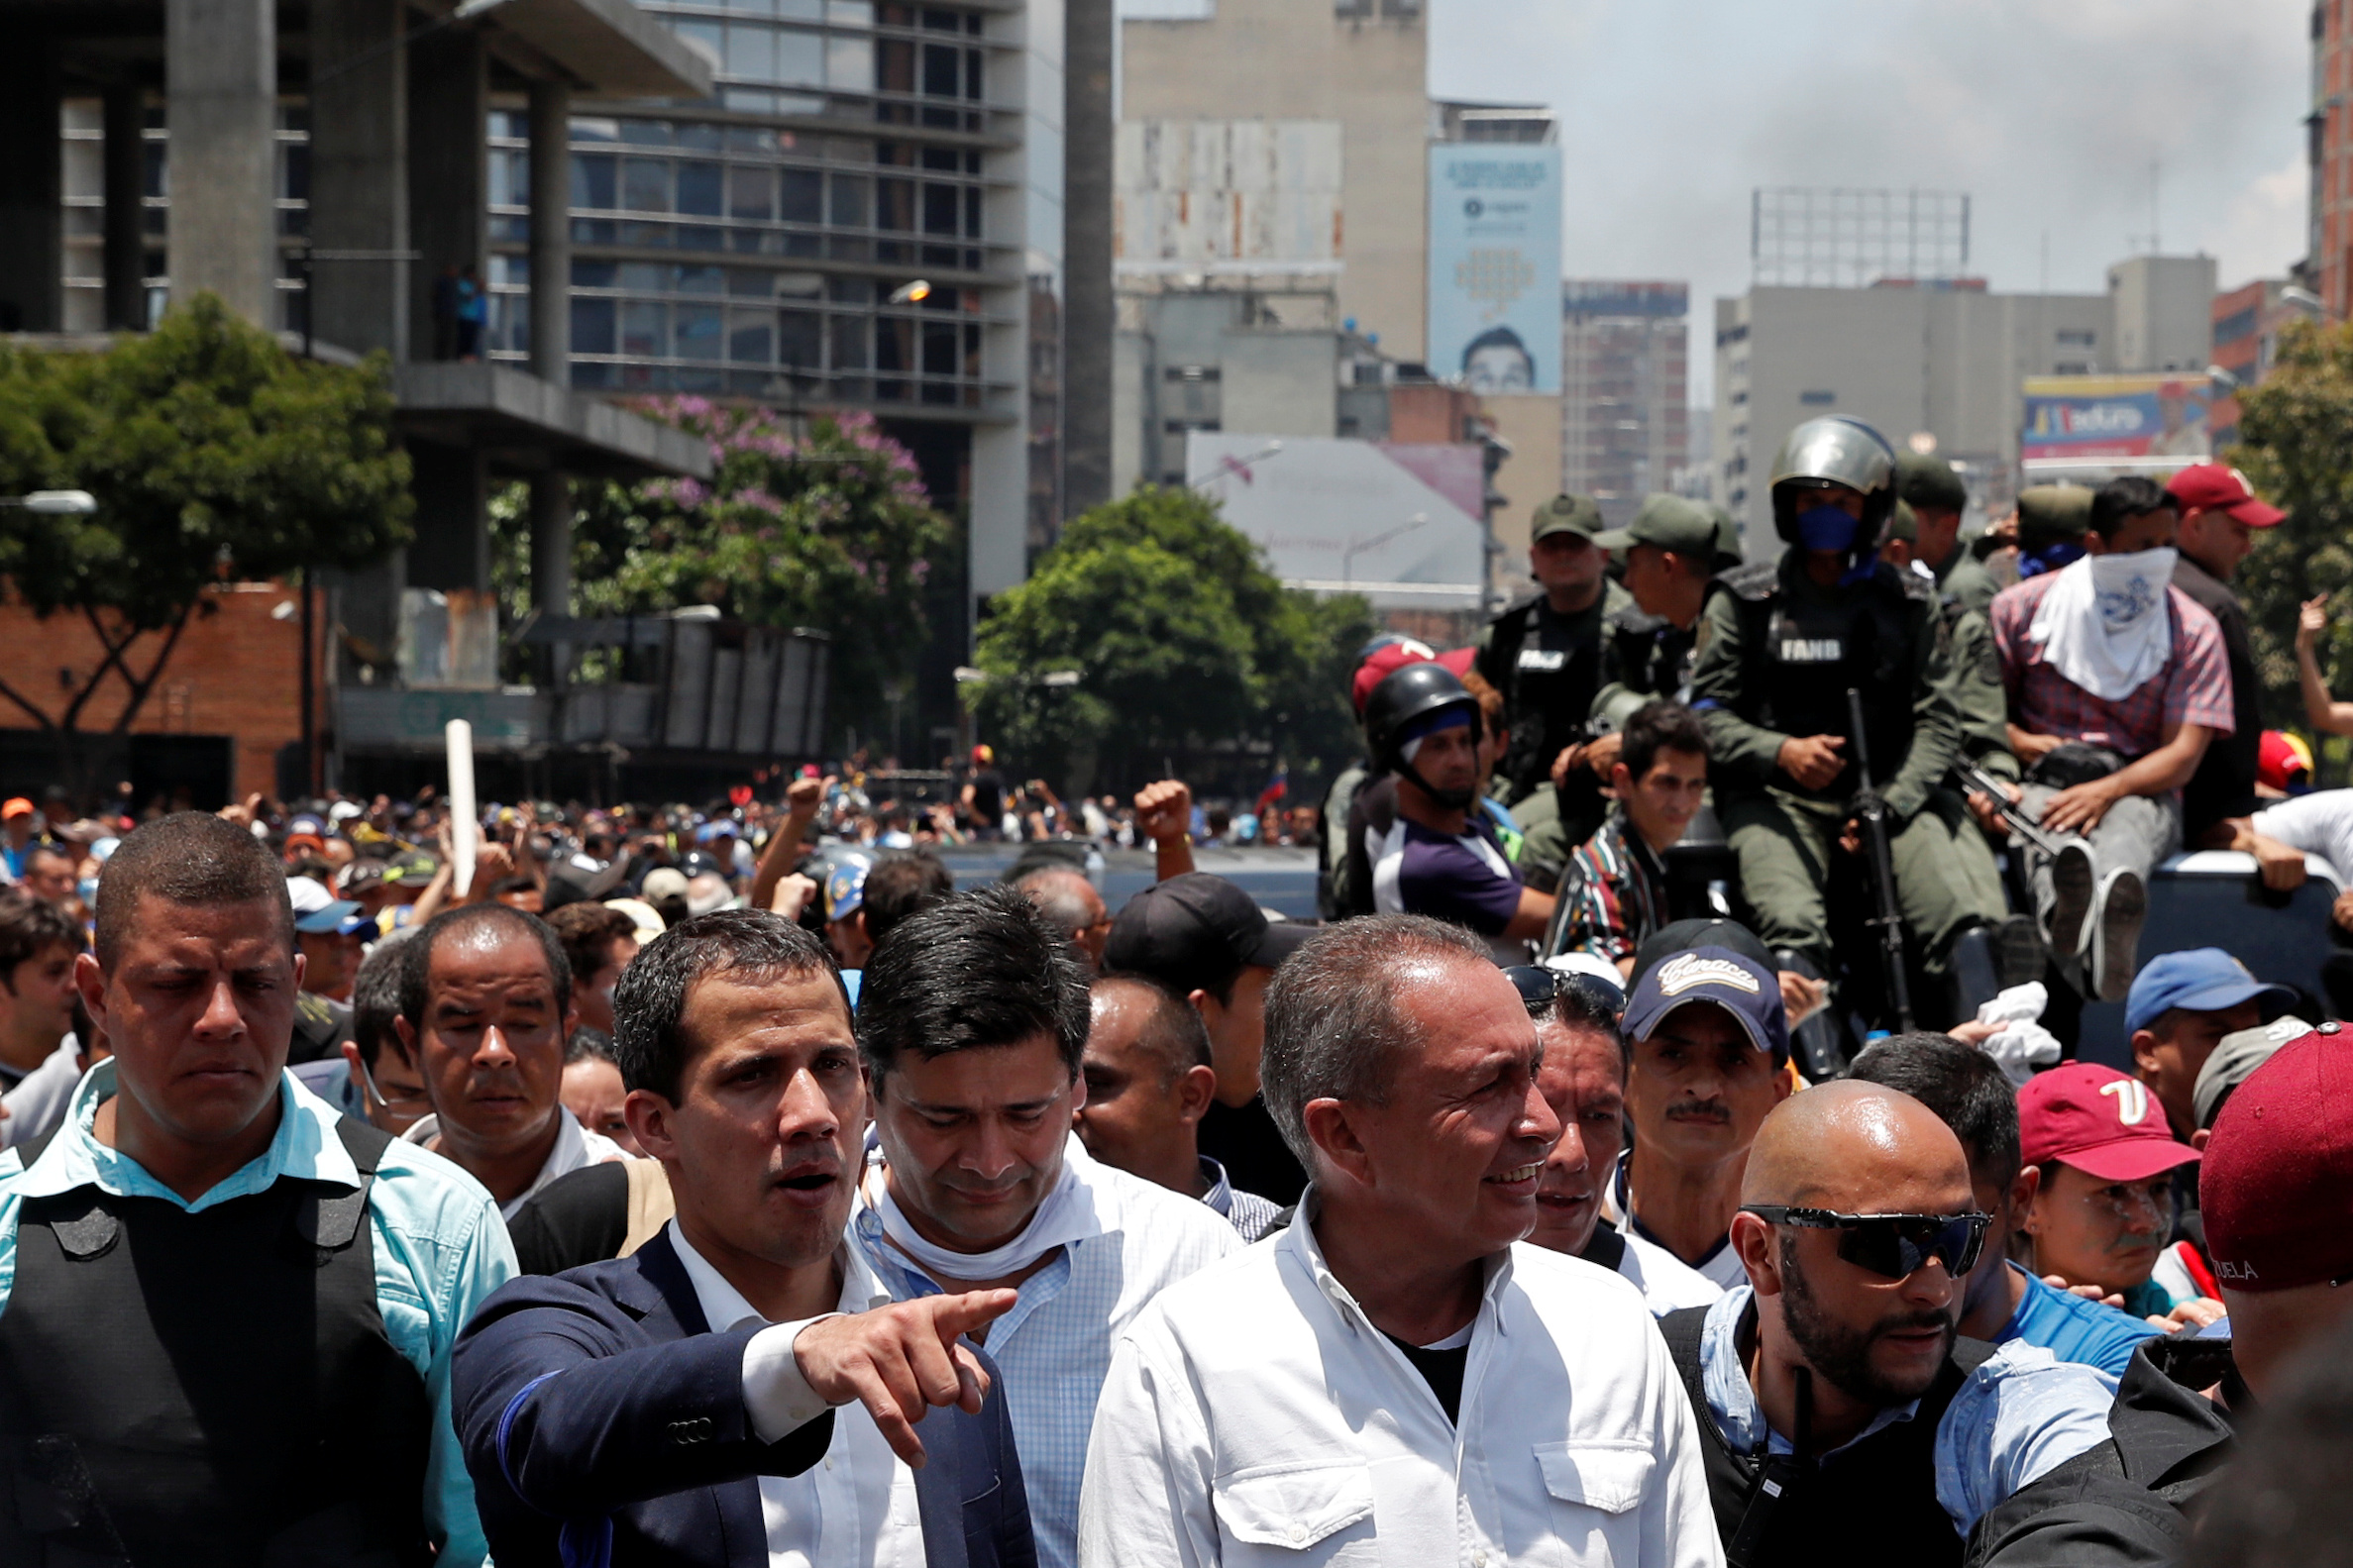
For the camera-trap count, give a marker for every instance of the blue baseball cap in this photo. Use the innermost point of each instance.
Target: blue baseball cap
(2196, 980)
(1734, 981)
(342, 917)
(845, 886)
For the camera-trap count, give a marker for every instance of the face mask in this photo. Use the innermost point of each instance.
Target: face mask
(2050, 557)
(1827, 528)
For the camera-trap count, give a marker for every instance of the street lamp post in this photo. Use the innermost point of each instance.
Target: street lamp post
(1348, 555)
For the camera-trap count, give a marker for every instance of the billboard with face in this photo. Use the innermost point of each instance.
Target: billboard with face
(1495, 266)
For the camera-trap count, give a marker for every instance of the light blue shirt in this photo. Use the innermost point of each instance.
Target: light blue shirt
(1054, 1348)
(2020, 1415)
(440, 1249)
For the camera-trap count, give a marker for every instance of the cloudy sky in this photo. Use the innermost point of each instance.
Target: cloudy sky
(2048, 114)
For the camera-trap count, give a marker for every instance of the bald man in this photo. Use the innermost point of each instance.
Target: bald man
(1843, 1418)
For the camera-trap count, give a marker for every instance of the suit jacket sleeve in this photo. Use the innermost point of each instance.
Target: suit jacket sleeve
(565, 1409)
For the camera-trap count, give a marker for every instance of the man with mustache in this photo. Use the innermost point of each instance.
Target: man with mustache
(1392, 1378)
(739, 1390)
(973, 1025)
(485, 1008)
(1583, 1080)
(1710, 1057)
(1842, 1417)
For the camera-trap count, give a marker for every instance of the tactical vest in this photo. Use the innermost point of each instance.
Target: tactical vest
(1872, 1504)
(1646, 654)
(208, 1389)
(1548, 698)
(1800, 660)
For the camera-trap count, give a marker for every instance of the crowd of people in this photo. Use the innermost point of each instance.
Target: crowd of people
(736, 1187)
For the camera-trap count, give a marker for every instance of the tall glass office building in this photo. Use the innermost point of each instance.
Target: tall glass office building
(853, 222)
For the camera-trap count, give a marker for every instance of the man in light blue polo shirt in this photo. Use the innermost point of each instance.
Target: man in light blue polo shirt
(225, 1312)
(1970, 1093)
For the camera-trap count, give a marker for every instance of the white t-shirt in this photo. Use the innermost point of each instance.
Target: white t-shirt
(1668, 1283)
(2320, 823)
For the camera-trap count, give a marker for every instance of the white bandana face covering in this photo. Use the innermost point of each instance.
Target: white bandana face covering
(1062, 1217)
(2104, 625)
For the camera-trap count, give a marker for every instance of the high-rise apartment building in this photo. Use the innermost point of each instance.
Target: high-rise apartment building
(2328, 264)
(1624, 359)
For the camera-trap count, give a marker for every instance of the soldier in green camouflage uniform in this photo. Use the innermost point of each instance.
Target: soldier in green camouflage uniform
(1777, 655)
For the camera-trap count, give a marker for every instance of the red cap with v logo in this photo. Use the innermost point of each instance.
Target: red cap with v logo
(2097, 1120)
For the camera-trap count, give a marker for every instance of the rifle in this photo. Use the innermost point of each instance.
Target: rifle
(1872, 812)
(1973, 777)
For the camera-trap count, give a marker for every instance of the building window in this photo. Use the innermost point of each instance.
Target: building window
(1817, 399)
(2076, 337)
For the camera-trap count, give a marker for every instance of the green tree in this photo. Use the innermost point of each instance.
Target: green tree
(1187, 649)
(213, 454)
(2297, 448)
(827, 528)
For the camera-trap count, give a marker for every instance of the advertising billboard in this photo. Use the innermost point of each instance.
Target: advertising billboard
(1495, 266)
(2095, 418)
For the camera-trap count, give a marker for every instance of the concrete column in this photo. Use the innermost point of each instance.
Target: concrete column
(453, 544)
(126, 245)
(448, 169)
(551, 559)
(358, 173)
(31, 221)
(551, 239)
(220, 68)
(1089, 314)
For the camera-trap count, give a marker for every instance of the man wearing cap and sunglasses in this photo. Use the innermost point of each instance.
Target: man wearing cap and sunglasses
(1842, 1418)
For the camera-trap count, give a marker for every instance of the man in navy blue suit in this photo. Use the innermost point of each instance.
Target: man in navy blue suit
(674, 1406)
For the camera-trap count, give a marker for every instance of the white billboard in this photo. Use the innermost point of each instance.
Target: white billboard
(1394, 522)
(1227, 196)
(1495, 266)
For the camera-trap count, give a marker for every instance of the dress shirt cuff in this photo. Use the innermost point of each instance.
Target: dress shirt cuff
(775, 1395)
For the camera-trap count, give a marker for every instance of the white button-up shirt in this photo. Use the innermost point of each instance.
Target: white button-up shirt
(856, 1507)
(1254, 1416)
(1054, 1347)
(575, 1147)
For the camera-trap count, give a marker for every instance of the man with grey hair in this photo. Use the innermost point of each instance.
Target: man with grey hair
(1070, 903)
(1375, 1379)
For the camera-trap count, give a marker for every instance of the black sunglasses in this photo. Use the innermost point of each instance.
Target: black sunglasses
(1539, 986)
(1893, 1246)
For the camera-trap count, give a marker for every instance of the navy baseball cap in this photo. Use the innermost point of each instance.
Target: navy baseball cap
(1734, 981)
(2196, 980)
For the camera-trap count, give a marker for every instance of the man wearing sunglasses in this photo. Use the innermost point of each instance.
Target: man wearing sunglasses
(1840, 1416)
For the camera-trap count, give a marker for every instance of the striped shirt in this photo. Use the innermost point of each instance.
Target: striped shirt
(1616, 893)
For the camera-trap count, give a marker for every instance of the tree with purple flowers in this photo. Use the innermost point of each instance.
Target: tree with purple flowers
(826, 527)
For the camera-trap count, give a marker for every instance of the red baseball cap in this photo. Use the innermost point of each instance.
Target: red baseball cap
(2216, 487)
(2097, 1120)
(2278, 1182)
(1396, 656)
(2280, 757)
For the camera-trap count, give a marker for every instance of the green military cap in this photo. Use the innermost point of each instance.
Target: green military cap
(1928, 482)
(2050, 514)
(1565, 514)
(1669, 522)
(1904, 524)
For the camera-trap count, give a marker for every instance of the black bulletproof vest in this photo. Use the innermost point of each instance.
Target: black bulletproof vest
(209, 1390)
(1549, 700)
(1871, 1504)
(1803, 659)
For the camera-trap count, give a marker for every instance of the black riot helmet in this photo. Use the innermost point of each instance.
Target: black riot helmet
(1397, 707)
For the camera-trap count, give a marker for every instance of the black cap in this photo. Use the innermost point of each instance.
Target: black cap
(1196, 932)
